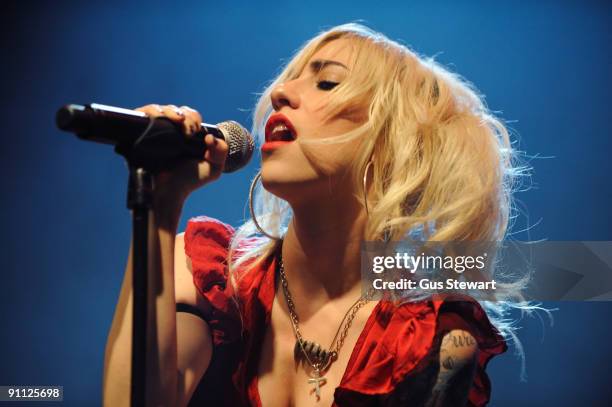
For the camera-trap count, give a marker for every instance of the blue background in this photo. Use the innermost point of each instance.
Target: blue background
(545, 66)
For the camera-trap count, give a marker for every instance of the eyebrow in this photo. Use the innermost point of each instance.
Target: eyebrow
(319, 64)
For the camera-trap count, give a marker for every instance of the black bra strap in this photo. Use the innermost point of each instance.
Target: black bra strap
(182, 307)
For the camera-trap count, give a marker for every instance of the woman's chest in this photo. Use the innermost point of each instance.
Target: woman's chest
(286, 377)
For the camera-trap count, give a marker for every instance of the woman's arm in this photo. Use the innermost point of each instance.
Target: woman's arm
(458, 353)
(194, 339)
(161, 359)
(179, 350)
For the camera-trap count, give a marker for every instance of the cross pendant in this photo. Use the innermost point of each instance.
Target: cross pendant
(318, 381)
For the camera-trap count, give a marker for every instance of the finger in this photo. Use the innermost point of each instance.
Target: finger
(193, 120)
(217, 152)
(209, 140)
(190, 125)
(152, 110)
(192, 114)
(173, 113)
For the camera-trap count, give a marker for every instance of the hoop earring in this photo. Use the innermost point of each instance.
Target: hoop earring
(252, 209)
(365, 185)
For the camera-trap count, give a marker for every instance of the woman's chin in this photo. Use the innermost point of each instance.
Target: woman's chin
(285, 185)
(280, 186)
(275, 175)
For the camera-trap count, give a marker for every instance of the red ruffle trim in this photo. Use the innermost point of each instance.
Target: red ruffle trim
(206, 244)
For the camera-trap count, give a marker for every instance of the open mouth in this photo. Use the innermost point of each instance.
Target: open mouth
(279, 128)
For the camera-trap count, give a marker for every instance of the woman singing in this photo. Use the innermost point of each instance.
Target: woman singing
(361, 140)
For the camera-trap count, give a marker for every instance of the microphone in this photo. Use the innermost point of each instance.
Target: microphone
(159, 140)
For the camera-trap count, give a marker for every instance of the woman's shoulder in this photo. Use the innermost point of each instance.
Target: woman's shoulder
(223, 294)
(402, 346)
(207, 231)
(441, 314)
(212, 245)
(206, 245)
(208, 238)
(433, 319)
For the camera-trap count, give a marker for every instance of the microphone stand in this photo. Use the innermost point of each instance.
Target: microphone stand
(157, 147)
(140, 199)
(146, 156)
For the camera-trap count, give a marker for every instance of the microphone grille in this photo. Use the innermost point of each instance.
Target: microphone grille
(240, 143)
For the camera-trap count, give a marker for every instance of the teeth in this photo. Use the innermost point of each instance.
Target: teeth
(280, 127)
(280, 132)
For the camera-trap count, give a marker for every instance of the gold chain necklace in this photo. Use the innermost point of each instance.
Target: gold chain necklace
(316, 356)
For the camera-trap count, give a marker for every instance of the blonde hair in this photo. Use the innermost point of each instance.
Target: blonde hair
(443, 164)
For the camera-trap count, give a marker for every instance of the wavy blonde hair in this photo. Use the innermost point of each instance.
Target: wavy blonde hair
(443, 164)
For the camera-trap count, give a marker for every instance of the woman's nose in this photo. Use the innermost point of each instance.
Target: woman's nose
(284, 94)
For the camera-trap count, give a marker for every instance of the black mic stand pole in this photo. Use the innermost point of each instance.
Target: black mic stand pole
(140, 200)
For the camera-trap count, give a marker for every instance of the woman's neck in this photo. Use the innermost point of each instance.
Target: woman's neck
(321, 251)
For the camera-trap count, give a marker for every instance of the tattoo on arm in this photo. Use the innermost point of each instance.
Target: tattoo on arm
(457, 366)
(448, 363)
(461, 339)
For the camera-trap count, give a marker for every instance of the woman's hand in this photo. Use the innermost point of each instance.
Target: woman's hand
(176, 184)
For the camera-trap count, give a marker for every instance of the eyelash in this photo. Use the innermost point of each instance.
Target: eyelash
(327, 85)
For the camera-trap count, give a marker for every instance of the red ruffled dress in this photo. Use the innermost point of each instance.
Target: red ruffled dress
(395, 359)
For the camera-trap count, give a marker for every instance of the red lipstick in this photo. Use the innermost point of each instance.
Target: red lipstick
(269, 146)
(280, 128)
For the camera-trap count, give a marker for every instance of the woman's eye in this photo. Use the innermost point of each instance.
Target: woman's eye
(327, 85)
